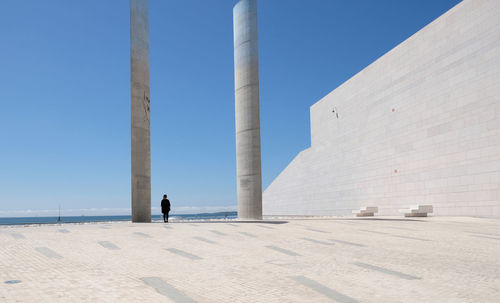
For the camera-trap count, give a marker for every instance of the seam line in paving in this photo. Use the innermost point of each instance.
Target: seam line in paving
(324, 290)
(411, 238)
(392, 235)
(167, 290)
(317, 241)
(347, 242)
(204, 240)
(347, 222)
(183, 254)
(281, 262)
(108, 245)
(17, 236)
(483, 234)
(318, 231)
(218, 233)
(142, 234)
(283, 251)
(248, 234)
(48, 252)
(263, 226)
(400, 228)
(386, 271)
(486, 237)
(375, 232)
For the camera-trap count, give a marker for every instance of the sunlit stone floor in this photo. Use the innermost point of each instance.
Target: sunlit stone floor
(433, 259)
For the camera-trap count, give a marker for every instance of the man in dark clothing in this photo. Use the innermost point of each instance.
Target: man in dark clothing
(165, 208)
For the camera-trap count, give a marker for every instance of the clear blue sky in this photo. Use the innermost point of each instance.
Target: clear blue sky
(65, 93)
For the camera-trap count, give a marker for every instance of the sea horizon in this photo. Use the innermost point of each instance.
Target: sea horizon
(111, 218)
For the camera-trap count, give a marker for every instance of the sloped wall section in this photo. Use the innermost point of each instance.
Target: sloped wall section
(421, 125)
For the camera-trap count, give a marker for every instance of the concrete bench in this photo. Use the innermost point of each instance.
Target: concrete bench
(417, 210)
(367, 211)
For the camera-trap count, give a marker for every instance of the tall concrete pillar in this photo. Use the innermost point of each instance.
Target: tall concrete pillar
(139, 70)
(246, 70)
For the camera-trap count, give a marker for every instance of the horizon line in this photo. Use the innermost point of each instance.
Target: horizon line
(183, 210)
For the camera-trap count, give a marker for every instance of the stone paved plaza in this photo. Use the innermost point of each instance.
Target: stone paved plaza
(433, 259)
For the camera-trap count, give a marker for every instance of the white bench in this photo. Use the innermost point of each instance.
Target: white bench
(367, 211)
(417, 210)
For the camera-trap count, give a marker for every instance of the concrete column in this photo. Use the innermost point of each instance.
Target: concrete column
(139, 70)
(246, 73)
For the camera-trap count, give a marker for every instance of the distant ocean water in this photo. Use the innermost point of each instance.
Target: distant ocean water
(83, 219)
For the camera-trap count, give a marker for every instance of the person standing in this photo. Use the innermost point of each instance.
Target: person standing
(165, 208)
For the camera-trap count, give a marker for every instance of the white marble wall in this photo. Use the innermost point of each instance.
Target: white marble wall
(419, 125)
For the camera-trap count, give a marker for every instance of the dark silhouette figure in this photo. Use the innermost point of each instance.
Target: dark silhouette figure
(165, 208)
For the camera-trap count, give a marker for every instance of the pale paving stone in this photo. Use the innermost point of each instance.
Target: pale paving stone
(453, 266)
(17, 236)
(165, 289)
(108, 245)
(330, 293)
